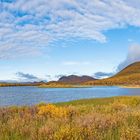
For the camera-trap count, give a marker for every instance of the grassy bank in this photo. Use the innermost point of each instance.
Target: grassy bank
(116, 118)
(19, 84)
(63, 86)
(57, 86)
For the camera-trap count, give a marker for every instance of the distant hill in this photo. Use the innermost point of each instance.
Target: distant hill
(71, 81)
(74, 79)
(128, 76)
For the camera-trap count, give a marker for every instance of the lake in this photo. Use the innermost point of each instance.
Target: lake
(33, 95)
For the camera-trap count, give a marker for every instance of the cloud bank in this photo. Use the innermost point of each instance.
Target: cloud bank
(100, 75)
(133, 56)
(28, 26)
(26, 77)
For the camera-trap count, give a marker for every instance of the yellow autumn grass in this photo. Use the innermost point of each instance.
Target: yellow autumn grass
(116, 118)
(52, 111)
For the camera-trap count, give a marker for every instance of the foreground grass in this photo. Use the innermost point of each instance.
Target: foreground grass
(116, 118)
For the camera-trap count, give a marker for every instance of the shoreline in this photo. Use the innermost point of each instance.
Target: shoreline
(74, 86)
(92, 86)
(81, 101)
(130, 86)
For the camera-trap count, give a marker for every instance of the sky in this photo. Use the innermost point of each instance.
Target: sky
(43, 39)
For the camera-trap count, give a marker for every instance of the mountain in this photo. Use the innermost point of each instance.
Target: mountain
(74, 79)
(132, 69)
(128, 76)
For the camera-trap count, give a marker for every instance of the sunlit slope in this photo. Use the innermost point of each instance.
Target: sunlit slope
(128, 76)
(130, 70)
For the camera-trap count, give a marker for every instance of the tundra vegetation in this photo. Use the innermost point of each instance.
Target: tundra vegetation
(116, 118)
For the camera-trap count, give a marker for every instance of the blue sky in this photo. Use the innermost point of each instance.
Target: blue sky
(44, 39)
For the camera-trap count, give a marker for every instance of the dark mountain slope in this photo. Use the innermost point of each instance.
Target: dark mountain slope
(128, 76)
(74, 79)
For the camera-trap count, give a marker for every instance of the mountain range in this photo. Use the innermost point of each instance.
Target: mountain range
(128, 76)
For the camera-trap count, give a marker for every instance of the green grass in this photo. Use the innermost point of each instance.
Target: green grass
(93, 102)
(115, 118)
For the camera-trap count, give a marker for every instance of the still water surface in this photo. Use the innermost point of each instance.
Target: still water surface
(34, 95)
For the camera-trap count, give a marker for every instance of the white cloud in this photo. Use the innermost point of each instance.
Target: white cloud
(36, 23)
(76, 63)
(133, 56)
